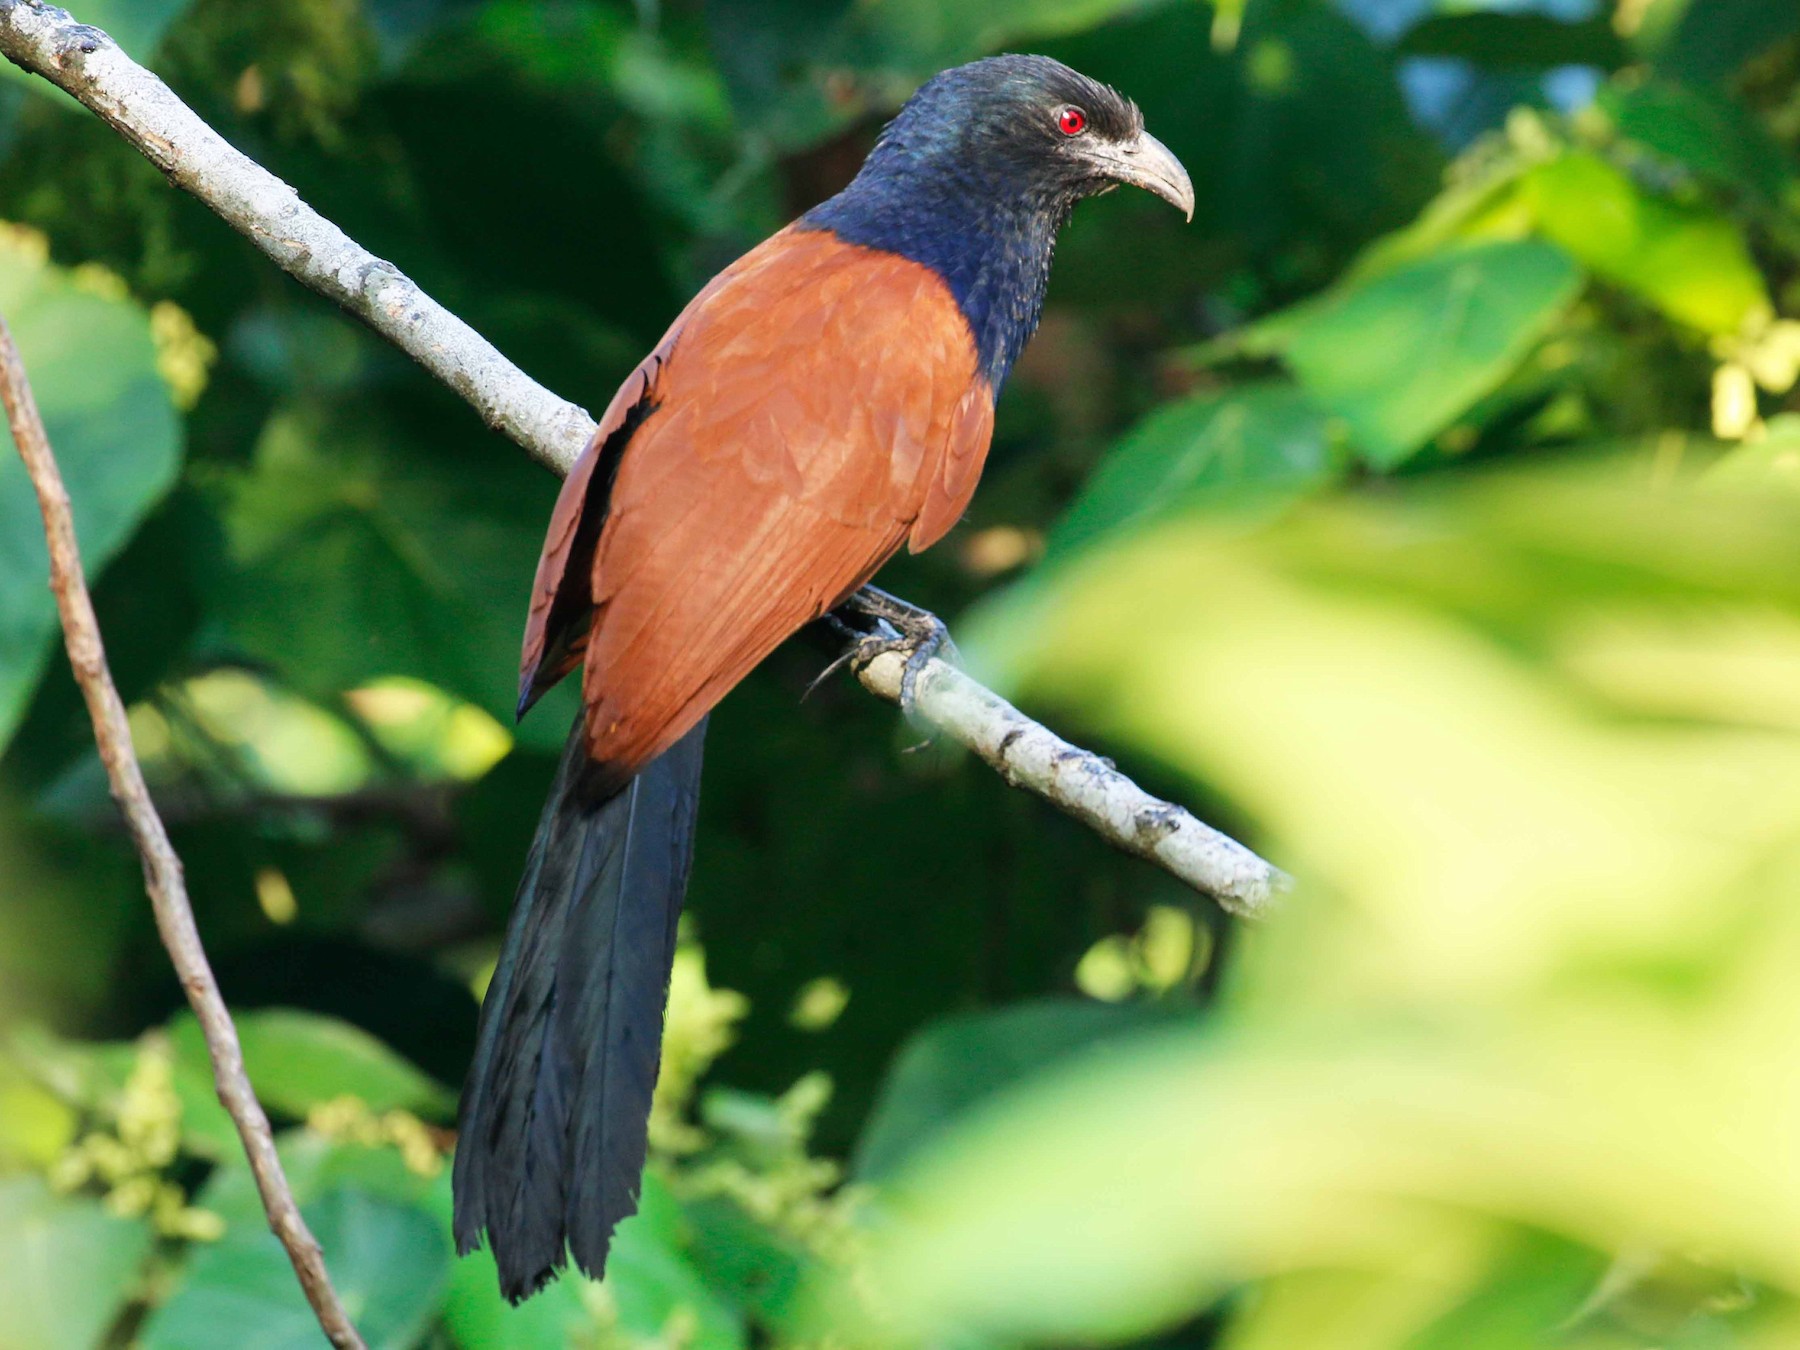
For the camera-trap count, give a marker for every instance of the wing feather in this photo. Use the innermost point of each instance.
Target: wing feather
(817, 407)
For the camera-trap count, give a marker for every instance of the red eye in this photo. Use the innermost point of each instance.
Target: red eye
(1071, 121)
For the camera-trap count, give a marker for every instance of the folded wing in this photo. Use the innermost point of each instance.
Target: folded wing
(811, 411)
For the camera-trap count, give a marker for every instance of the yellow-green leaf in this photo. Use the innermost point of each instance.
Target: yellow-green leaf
(1688, 261)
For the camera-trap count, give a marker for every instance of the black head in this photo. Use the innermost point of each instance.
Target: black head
(1030, 126)
(978, 173)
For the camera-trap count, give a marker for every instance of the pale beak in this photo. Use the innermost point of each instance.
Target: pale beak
(1146, 162)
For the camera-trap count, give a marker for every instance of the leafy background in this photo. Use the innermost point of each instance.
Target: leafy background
(1425, 514)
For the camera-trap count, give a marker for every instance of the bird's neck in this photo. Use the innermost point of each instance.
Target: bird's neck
(993, 250)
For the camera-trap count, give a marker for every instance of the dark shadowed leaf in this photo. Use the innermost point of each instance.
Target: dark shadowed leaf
(66, 1266)
(961, 1061)
(1705, 40)
(1701, 129)
(356, 557)
(1337, 156)
(927, 35)
(399, 25)
(65, 919)
(1401, 356)
(803, 69)
(1503, 40)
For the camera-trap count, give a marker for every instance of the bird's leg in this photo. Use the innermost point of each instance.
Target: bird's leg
(876, 623)
(898, 627)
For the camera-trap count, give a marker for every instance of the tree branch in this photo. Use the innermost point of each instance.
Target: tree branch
(86, 63)
(1029, 755)
(162, 869)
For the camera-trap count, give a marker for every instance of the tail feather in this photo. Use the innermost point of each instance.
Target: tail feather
(555, 1114)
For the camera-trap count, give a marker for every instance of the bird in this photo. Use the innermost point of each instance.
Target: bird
(823, 402)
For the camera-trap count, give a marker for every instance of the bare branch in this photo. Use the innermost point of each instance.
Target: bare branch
(162, 869)
(89, 65)
(1031, 756)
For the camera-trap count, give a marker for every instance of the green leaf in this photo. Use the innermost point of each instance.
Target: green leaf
(478, 1317)
(1529, 1297)
(960, 1062)
(88, 1075)
(112, 425)
(317, 1165)
(35, 1124)
(748, 1263)
(1249, 443)
(1400, 356)
(1772, 460)
(653, 1291)
(777, 61)
(1688, 261)
(1527, 1301)
(401, 25)
(384, 1228)
(655, 1287)
(355, 558)
(389, 1262)
(298, 1060)
(1701, 129)
(1528, 737)
(66, 1267)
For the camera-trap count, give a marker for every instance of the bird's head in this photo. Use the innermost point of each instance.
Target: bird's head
(1031, 126)
(976, 175)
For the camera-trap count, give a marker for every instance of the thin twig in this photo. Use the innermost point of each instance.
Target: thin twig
(86, 63)
(162, 868)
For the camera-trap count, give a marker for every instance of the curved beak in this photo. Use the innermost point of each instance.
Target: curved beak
(1146, 162)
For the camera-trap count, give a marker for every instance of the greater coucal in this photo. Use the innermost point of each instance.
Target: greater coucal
(824, 400)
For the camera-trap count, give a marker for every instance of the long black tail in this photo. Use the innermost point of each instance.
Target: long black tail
(556, 1109)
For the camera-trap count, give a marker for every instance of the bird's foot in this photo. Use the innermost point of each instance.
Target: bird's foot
(875, 624)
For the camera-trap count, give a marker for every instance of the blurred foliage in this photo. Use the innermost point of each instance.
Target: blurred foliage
(94, 372)
(1529, 735)
(1425, 514)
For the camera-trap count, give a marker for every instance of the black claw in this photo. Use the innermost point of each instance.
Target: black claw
(924, 649)
(848, 658)
(844, 630)
(877, 623)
